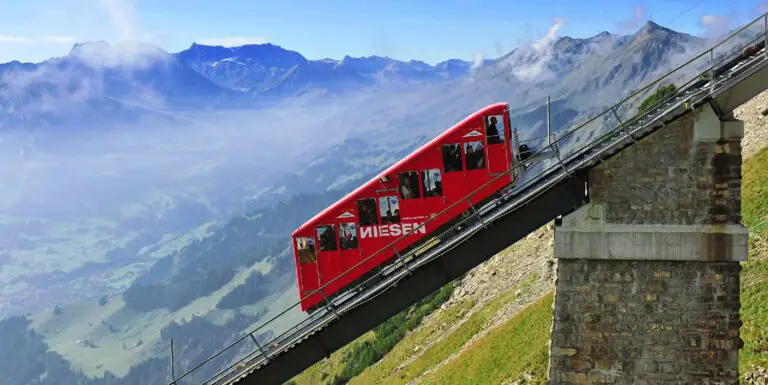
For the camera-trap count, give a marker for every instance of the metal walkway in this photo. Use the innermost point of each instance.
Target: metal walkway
(721, 76)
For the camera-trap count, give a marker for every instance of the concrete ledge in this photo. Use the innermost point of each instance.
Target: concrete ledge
(652, 242)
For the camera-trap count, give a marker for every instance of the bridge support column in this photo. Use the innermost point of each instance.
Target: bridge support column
(648, 272)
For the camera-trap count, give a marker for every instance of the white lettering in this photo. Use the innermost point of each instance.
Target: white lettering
(393, 230)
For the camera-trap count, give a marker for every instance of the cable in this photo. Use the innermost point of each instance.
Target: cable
(686, 11)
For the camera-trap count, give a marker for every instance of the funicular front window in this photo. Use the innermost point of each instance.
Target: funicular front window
(389, 209)
(348, 235)
(409, 185)
(433, 186)
(494, 129)
(475, 153)
(326, 236)
(306, 250)
(366, 211)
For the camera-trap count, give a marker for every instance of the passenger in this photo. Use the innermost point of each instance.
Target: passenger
(492, 132)
(405, 191)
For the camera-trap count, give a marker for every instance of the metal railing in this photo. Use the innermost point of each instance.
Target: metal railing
(570, 158)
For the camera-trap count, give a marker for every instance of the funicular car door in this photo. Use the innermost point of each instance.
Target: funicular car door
(389, 214)
(475, 160)
(328, 253)
(368, 220)
(308, 273)
(349, 244)
(454, 180)
(496, 144)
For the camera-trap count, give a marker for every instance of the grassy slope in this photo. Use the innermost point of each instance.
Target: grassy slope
(516, 350)
(754, 277)
(440, 338)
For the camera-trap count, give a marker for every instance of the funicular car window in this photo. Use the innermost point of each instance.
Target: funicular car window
(452, 157)
(433, 187)
(306, 248)
(366, 210)
(326, 236)
(348, 235)
(475, 155)
(494, 129)
(409, 185)
(389, 209)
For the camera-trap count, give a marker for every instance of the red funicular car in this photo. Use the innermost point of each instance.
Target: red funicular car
(438, 174)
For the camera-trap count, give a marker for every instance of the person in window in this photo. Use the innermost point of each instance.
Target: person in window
(329, 239)
(405, 190)
(438, 184)
(492, 132)
(350, 239)
(474, 158)
(367, 214)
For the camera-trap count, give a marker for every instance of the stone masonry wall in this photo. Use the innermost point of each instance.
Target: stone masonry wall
(646, 322)
(667, 178)
(654, 320)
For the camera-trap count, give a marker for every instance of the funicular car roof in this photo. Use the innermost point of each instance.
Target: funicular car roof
(490, 109)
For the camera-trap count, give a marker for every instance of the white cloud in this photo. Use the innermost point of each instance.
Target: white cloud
(122, 16)
(531, 62)
(478, 62)
(715, 25)
(9, 39)
(547, 40)
(232, 41)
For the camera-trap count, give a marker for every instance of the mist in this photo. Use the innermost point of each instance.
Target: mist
(76, 204)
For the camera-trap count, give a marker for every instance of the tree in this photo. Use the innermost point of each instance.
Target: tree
(661, 93)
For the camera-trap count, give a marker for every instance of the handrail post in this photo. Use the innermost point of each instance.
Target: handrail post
(401, 259)
(266, 357)
(549, 125)
(474, 210)
(330, 305)
(173, 364)
(711, 70)
(765, 34)
(621, 126)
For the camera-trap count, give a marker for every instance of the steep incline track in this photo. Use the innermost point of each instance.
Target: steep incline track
(550, 189)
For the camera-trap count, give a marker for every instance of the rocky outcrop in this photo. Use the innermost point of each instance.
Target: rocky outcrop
(756, 376)
(504, 271)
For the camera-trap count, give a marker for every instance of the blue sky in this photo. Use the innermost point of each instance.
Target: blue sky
(429, 30)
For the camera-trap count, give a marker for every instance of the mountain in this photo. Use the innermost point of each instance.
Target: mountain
(197, 291)
(270, 70)
(250, 67)
(100, 84)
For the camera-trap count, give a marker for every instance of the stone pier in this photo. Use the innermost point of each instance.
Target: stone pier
(648, 272)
